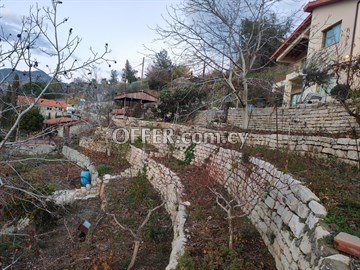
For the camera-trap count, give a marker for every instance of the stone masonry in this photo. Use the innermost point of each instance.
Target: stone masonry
(287, 214)
(343, 149)
(171, 190)
(322, 118)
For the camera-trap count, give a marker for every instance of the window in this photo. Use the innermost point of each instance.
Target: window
(332, 35)
(295, 99)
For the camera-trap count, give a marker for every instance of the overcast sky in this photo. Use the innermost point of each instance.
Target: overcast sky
(124, 24)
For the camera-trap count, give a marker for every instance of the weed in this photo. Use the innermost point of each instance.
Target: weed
(189, 153)
(271, 236)
(186, 262)
(197, 212)
(140, 191)
(103, 169)
(245, 158)
(154, 232)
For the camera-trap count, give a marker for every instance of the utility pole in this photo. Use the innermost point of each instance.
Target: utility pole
(125, 76)
(204, 68)
(142, 70)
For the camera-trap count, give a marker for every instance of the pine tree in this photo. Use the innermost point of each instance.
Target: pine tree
(129, 74)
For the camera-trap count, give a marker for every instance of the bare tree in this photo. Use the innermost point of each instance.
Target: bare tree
(42, 26)
(136, 234)
(41, 35)
(227, 36)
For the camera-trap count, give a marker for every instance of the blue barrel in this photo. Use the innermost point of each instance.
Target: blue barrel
(85, 177)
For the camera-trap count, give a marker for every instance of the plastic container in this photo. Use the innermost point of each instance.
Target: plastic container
(85, 177)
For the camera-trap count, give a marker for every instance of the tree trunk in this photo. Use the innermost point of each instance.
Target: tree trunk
(231, 231)
(134, 255)
(245, 100)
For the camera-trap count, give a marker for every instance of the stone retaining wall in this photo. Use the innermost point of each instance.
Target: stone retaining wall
(171, 189)
(287, 214)
(63, 197)
(166, 182)
(344, 149)
(322, 118)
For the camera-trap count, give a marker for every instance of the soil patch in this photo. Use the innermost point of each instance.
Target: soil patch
(207, 247)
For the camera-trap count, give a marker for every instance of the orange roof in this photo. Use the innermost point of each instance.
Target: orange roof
(318, 3)
(292, 37)
(42, 102)
(60, 120)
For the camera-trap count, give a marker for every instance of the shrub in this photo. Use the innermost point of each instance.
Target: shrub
(32, 121)
(103, 169)
(189, 153)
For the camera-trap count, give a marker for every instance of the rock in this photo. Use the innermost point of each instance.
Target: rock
(269, 201)
(347, 243)
(312, 221)
(320, 233)
(352, 155)
(303, 263)
(284, 262)
(286, 215)
(344, 141)
(318, 209)
(337, 261)
(292, 202)
(187, 203)
(305, 245)
(295, 251)
(293, 266)
(296, 226)
(302, 210)
(329, 151)
(305, 194)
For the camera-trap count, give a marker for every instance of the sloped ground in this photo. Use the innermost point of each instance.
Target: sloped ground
(335, 183)
(114, 165)
(55, 243)
(207, 247)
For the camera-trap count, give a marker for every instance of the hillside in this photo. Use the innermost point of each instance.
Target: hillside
(23, 75)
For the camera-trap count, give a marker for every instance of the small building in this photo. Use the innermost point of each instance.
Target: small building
(134, 104)
(332, 29)
(66, 127)
(49, 108)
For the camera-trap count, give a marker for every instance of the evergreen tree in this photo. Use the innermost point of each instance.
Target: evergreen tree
(32, 121)
(129, 74)
(114, 77)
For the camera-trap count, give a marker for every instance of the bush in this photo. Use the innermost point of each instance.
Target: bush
(140, 191)
(32, 121)
(182, 101)
(45, 215)
(103, 169)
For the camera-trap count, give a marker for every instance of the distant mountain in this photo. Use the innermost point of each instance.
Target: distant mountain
(23, 75)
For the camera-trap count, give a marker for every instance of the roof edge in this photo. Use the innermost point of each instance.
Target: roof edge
(292, 37)
(318, 3)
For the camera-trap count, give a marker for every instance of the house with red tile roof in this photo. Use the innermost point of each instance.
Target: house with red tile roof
(49, 108)
(331, 29)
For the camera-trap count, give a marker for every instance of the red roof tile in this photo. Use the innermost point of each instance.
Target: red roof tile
(60, 120)
(42, 102)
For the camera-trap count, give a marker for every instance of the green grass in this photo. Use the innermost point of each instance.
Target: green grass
(103, 169)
